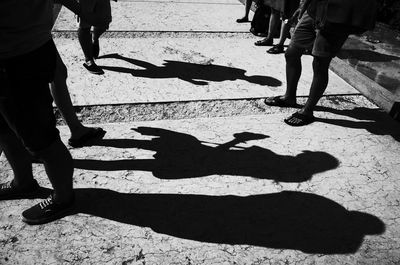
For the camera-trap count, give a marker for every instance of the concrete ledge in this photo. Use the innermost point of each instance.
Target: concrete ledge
(373, 91)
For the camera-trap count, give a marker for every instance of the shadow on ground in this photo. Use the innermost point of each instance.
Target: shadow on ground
(375, 121)
(180, 155)
(197, 74)
(285, 220)
(366, 56)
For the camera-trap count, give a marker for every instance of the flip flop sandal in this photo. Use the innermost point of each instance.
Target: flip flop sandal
(84, 140)
(242, 20)
(278, 102)
(264, 42)
(301, 119)
(276, 49)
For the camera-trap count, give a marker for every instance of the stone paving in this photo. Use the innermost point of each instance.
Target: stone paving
(217, 190)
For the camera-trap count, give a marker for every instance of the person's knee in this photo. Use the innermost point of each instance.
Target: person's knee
(293, 53)
(61, 71)
(53, 151)
(321, 64)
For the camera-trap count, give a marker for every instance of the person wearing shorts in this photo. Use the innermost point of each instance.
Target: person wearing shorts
(324, 33)
(28, 61)
(88, 40)
(27, 122)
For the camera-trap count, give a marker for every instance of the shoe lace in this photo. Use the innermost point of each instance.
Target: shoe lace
(46, 203)
(6, 186)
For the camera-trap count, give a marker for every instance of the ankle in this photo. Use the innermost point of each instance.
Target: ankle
(22, 184)
(63, 198)
(288, 99)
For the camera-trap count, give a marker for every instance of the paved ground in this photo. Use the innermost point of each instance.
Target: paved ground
(232, 185)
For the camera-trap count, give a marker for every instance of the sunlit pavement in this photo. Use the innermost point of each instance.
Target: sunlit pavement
(239, 188)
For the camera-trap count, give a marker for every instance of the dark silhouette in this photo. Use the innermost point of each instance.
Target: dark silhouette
(366, 55)
(180, 155)
(285, 220)
(197, 74)
(375, 121)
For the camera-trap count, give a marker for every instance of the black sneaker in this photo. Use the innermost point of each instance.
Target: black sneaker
(9, 192)
(46, 211)
(95, 50)
(93, 68)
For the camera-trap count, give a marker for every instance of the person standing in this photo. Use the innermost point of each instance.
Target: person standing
(88, 40)
(27, 122)
(28, 59)
(247, 7)
(323, 28)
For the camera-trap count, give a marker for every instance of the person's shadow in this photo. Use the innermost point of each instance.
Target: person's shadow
(284, 220)
(374, 121)
(366, 55)
(197, 74)
(180, 155)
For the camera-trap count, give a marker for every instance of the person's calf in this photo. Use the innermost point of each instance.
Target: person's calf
(18, 158)
(58, 164)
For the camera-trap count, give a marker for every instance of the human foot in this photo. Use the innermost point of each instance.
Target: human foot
(96, 49)
(86, 137)
(264, 42)
(93, 68)
(299, 119)
(242, 20)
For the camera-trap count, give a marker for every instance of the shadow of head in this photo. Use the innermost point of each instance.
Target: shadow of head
(263, 80)
(304, 165)
(284, 220)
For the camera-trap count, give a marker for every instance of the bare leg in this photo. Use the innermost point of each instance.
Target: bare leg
(18, 157)
(85, 40)
(319, 83)
(273, 24)
(59, 168)
(293, 72)
(272, 28)
(247, 7)
(97, 32)
(59, 91)
(318, 86)
(95, 38)
(285, 28)
(278, 48)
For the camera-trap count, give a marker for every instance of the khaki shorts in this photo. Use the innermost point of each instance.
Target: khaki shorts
(322, 42)
(101, 8)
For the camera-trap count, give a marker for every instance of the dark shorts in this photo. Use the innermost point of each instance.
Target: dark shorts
(322, 42)
(25, 99)
(102, 9)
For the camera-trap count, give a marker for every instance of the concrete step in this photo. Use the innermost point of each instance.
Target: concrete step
(181, 67)
(163, 191)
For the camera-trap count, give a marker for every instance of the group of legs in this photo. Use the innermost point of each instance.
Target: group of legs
(89, 35)
(27, 122)
(323, 45)
(28, 129)
(273, 28)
